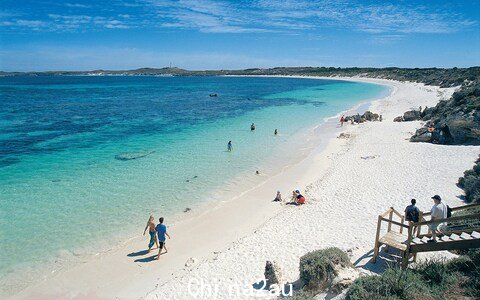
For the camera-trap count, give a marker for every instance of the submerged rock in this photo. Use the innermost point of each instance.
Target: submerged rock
(133, 155)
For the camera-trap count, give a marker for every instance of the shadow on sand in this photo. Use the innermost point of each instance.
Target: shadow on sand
(387, 257)
(139, 253)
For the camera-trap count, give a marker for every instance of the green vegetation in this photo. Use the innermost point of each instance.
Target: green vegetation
(429, 76)
(433, 279)
(470, 183)
(317, 267)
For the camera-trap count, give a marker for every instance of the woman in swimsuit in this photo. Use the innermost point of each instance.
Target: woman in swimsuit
(151, 230)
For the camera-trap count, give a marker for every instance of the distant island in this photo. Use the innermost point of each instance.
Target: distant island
(430, 76)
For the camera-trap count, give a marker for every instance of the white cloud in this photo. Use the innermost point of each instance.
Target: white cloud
(287, 17)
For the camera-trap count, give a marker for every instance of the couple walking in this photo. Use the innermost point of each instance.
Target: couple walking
(160, 237)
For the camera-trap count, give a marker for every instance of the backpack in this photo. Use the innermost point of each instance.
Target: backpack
(412, 214)
(449, 212)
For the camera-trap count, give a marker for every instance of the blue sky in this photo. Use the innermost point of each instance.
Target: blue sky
(207, 34)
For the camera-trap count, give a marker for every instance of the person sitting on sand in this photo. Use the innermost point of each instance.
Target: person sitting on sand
(297, 198)
(151, 231)
(229, 146)
(252, 127)
(342, 120)
(438, 212)
(300, 198)
(162, 232)
(278, 198)
(412, 214)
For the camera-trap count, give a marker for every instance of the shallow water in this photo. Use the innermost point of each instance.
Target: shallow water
(82, 155)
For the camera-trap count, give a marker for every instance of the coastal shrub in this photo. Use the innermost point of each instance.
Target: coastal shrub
(440, 275)
(394, 283)
(317, 267)
(470, 183)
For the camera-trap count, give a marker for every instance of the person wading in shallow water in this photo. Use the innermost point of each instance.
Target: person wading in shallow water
(252, 127)
(229, 146)
(162, 234)
(275, 132)
(151, 231)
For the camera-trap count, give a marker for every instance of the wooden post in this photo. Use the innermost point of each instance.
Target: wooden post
(406, 254)
(377, 237)
(402, 221)
(390, 216)
(419, 227)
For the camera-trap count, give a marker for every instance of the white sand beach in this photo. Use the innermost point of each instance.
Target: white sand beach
(347, 183)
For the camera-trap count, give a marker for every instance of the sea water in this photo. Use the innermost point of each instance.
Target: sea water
(84, 160)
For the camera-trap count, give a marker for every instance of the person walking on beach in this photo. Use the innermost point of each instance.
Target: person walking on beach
(412, 213)
(252, 127)
(151, 231)
(342, 120)
(438, 212)
(229, 146)
(162, 234)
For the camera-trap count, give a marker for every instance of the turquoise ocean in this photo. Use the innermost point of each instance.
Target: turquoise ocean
(84, 160)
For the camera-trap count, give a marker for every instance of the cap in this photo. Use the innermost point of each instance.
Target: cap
(437, 197)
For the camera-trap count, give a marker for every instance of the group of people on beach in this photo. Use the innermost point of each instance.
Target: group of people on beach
(297, 198)
(439, 211)
(158, 235)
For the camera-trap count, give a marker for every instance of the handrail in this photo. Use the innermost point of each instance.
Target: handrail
(459, 218)
(386, 212)
(457, 232)
(468, 206)
(394, 222)
(397, 213)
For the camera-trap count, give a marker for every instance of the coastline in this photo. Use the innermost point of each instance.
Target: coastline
(115, 274)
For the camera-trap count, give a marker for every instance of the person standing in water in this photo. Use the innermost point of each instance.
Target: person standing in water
(162, 234)
(151, 231)
(229, 146)
(252, 127)
(275, 132)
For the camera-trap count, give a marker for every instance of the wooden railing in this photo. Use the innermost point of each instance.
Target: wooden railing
(414, 228)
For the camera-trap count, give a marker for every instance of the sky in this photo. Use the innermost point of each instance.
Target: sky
(45, 35)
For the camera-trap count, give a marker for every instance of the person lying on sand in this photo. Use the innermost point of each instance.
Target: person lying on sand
(162, 232)
(151, 231)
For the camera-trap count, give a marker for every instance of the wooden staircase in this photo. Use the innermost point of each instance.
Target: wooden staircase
(462, 231)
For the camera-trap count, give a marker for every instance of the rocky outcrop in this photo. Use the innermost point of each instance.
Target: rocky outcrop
(398, 119)
(367, 116)
(457, 120)
(273, 274)
(422, 135)
(412, 115)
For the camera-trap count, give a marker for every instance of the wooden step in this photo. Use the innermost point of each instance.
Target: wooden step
(445, 238)
(455, 237)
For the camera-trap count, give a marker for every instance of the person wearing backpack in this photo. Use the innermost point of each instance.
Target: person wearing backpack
(412, 214)
(439, 212)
